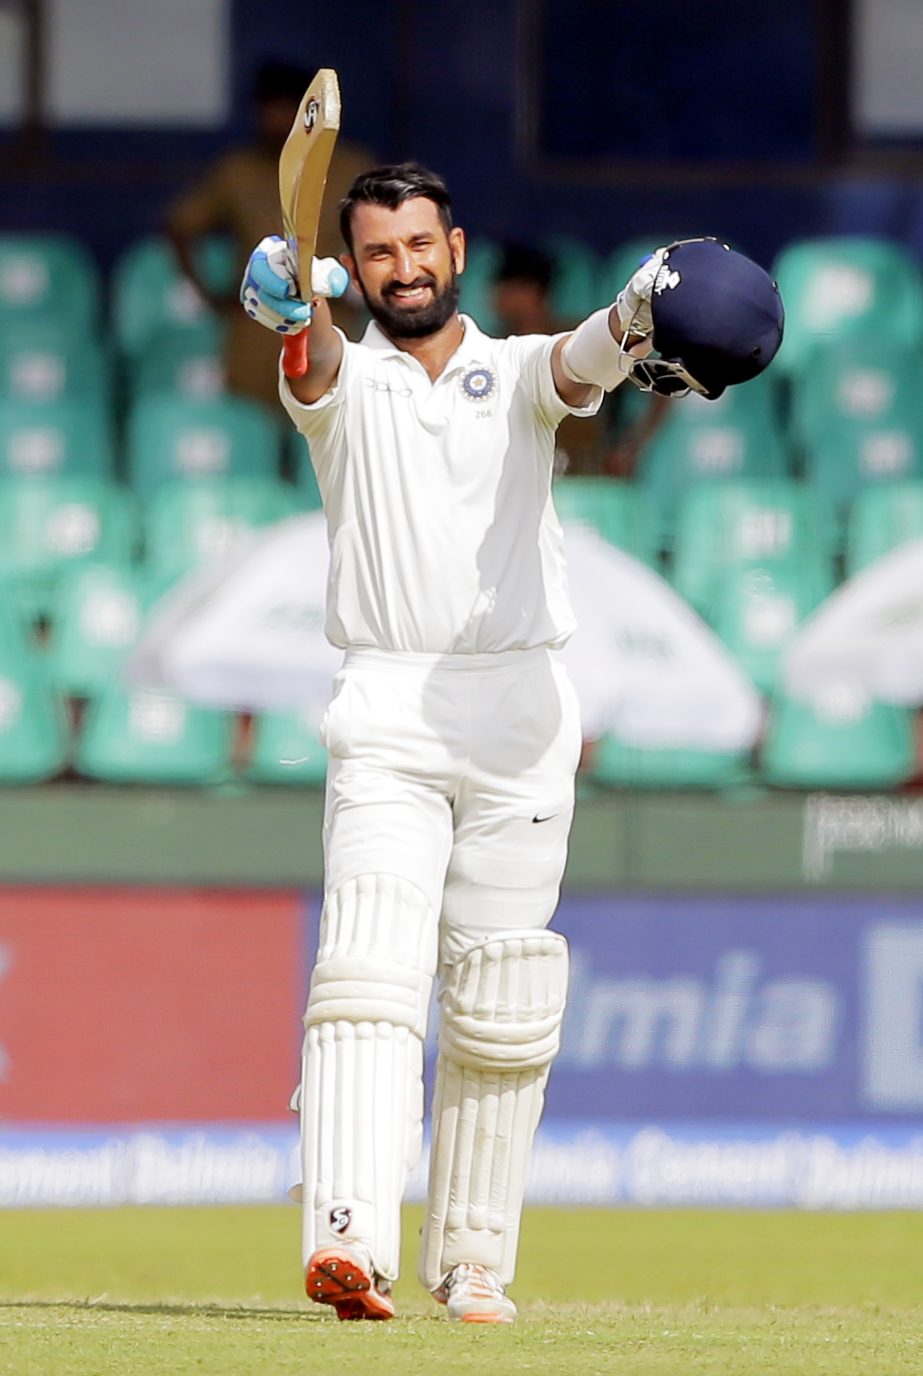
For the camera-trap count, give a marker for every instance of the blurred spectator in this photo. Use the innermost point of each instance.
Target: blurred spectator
(239, 196)
(522, 299)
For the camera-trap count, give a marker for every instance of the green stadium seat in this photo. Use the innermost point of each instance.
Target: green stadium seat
(71, 435)
(149, 291)
(97, 614)
(182, 361)
(615, 510)
(700, 442)
(859, 417)
(575, 288)
(882, 518)
(180, 437)
(299, 465)
(190, 523)
(150, 736)
(48, 274)
(33, 729)
(841, 742)
(839, 287)
(286, 736)
(855, 382)
(42, 361)
(757, 609)
(767, 523)
(481, 262)
(49, 525)
(617, 765)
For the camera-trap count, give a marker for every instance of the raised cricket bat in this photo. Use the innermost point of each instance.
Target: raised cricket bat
(303, 165)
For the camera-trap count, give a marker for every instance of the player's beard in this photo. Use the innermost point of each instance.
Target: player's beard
(415, 322)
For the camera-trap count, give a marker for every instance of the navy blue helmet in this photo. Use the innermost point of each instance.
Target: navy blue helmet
(718, 320)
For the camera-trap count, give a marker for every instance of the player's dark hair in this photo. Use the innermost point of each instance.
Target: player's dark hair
(390, 187)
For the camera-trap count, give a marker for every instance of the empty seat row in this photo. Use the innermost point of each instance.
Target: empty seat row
(833, 287)
(846, 742)
(167, 438)
(52, 527)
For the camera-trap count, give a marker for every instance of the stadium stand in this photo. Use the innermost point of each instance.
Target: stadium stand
(43, 361)
(615, 510)
(149, 736)
(839, 288)
(149, 292)
(181, 437)
(69, 434)
(33, 729)
(842, 741)
(702, 442)
(285, 749)
(182, 361)
(96, 617)
(883, 517)
(725, 526)
(750, 501)
(187, 523)
(48, 274)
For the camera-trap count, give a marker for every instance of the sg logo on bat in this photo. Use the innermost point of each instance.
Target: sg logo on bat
(310, 115)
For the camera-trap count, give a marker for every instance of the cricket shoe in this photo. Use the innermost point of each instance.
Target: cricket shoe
(473, 1294)
(345, 1277)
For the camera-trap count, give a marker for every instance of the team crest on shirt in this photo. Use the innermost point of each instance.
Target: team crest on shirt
(479, 383)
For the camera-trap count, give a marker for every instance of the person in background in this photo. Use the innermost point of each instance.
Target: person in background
(523, 302)
(239, 197)
(522, 298)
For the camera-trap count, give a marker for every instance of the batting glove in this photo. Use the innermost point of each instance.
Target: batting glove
(633, 302)
(268, 292)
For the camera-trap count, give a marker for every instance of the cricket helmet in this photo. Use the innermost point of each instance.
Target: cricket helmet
(718, 320)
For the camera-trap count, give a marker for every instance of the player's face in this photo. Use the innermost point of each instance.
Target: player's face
(406, 266)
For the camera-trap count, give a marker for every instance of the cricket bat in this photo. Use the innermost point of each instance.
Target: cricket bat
(303, 165)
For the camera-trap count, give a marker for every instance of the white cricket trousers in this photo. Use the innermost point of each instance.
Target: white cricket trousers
(455, 773)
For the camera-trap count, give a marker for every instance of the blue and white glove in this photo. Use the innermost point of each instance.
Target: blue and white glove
(268, 291)
(633, 302)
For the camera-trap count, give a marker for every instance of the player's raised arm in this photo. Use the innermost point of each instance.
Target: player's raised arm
(269, 296)
(602, 349)
(714, 317)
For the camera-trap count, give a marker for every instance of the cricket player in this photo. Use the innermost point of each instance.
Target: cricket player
(453, 733)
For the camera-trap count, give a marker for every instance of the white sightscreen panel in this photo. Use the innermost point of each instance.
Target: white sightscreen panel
(137, 61)
(888, 46)
(11, 61)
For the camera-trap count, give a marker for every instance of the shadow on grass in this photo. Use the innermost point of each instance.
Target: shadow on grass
(170, 1307)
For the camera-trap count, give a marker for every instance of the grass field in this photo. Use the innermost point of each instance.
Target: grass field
(214, 1292)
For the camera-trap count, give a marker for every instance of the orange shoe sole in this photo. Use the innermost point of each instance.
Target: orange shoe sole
(332, 1277)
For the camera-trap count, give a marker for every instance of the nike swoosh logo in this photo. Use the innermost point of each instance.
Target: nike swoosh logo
(549, 818)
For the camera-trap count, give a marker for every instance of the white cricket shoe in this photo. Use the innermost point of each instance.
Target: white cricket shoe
(473, 1294)
(343, 1275)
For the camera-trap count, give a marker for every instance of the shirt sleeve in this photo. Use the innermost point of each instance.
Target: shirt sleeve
(534, 365)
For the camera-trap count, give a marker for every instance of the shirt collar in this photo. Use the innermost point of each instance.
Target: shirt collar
(472, 349)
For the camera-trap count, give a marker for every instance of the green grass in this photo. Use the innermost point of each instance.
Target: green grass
(214, 1292)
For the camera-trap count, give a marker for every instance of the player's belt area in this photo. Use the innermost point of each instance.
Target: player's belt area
(398, 661)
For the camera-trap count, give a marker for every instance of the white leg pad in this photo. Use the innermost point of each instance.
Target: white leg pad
(502, 1009)
(362, 1065)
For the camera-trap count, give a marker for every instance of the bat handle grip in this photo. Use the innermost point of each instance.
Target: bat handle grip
(295, 354)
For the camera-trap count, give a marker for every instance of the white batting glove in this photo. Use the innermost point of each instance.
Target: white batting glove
(633, 302)
(268, 292)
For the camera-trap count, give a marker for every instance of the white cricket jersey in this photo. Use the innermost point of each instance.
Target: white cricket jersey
(437, 495)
